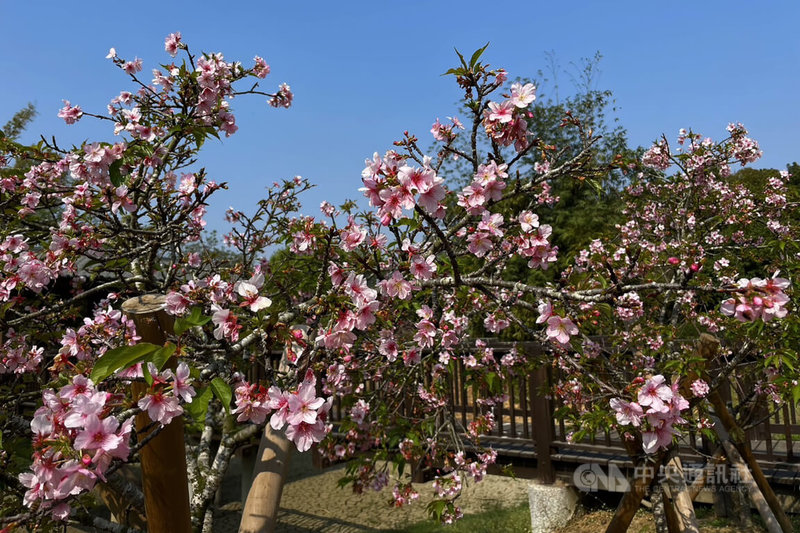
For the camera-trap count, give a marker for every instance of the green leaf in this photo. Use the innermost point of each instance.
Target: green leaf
(148, 377)
(199, 139)
(223, 392)
(455, 72)
(120, 358)
(114, 174)
(436, 508)
(162, 355)
(477, 55)
(195, 318)
(494, 382)
(463, 63)
(344, 481)
(199, 406)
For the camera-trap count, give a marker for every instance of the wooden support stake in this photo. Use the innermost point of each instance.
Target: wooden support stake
(681, 499)
(746, 479)
(708, 470)
(727, 425)
(272, 464)
(165, 481)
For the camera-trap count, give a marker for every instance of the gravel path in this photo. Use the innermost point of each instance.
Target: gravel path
(312, 502)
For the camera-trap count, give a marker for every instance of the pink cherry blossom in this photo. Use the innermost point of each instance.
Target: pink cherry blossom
(560, 329)
(71, 114)
(699, 388)
(160, 408)
(251, 299)
(304, 434)
(523, 95)
(261, 68)
(180, 383)
(627, 412)
(423, 268)
(172, 43)
(655, 394)
(303, 405)
(98, 434)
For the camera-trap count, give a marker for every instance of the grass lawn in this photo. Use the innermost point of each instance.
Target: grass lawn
(518, 520)
(512, 519)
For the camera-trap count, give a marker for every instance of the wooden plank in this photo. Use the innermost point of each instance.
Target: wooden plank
(463, 386)
(512, 408)
(768, 438)
(523, 399)
(787, 433)
(500, 416)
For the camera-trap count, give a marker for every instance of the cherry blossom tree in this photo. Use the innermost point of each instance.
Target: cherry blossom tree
(390, 300)
(442, 264)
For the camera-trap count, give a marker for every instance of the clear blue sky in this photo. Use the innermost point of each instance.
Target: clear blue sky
(363, 72)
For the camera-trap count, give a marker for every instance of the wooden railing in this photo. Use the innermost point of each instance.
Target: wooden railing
(526, 425)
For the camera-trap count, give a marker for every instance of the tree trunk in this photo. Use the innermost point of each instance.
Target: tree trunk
(644, 474)
(659, 500)
(728, 429)
(123, 499)
(260, 513)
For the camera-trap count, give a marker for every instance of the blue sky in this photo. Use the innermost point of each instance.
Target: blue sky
(363, 72)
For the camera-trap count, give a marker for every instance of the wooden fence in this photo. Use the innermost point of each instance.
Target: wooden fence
(527, 430)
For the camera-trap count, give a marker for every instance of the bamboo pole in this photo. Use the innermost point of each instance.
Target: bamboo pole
(164, 477)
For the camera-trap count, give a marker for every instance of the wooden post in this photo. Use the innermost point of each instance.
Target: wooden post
(681, 499)
(756, 496)
(165, 481)
(542, 427)
(727, 425)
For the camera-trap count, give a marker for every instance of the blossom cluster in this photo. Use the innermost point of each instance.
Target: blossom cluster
(758, 298)
(77, 435)
(664, 405)
(505, 122)
(393, 186)
(75, 440)
(302, 412)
